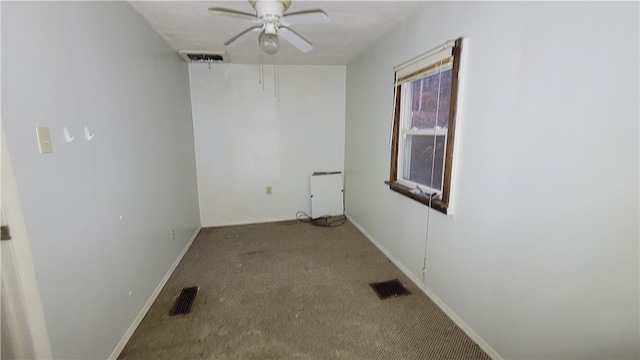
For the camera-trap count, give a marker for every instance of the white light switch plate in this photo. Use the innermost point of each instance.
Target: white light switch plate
(44, 140)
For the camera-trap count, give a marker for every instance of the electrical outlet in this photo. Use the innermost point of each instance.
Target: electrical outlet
(268, 190)
(173, 234)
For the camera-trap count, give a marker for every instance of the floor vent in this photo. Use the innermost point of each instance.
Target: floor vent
(184, 301)
(391, 288)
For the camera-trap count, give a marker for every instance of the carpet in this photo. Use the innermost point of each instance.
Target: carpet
(290, 290)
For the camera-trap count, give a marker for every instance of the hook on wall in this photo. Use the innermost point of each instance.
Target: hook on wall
(68, 137)
(88, 134)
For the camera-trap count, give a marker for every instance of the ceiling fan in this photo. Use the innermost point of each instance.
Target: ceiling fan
(272, 22)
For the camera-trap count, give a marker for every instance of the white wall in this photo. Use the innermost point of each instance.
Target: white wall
(540, 257)
(245, 141)
(98, 213)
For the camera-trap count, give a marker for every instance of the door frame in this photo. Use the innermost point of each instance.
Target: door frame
(19, 293)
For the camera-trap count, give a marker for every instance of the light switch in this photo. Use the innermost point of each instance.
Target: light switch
(44, 140)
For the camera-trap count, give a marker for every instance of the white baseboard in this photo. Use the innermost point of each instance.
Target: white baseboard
(250, 222)
(452, 315)
(127, 335)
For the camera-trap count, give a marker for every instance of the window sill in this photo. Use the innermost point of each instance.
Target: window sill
(436, 204)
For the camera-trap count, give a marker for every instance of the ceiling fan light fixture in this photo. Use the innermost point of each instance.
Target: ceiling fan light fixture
(269, 43)
(272, 21)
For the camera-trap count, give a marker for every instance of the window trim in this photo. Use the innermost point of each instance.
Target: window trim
(441, 204)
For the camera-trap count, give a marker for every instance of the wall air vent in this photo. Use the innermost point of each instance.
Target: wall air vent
(206, 57)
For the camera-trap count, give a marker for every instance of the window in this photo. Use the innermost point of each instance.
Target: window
(424, 125)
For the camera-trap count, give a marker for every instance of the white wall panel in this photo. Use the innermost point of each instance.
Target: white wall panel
(246, 141)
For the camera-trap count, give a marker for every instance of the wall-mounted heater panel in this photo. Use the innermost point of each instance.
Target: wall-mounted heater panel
(326, 194)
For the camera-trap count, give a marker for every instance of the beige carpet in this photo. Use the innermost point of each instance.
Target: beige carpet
(293, 291)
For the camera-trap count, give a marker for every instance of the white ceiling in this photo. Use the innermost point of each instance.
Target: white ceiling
(188, 25)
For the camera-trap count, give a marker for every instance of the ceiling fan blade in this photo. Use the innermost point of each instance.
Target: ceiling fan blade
(243, 36)
(295, 39)
(233, 13)
(315, 16)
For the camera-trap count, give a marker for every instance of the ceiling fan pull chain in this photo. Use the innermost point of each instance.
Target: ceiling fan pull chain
(278, 68)
(275, 75)
(260, 69)
(276, 78)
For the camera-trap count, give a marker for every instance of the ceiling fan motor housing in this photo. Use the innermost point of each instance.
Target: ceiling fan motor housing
(270, 10)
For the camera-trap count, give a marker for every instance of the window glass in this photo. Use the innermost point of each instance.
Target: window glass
(417, 166)
(425, 100)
